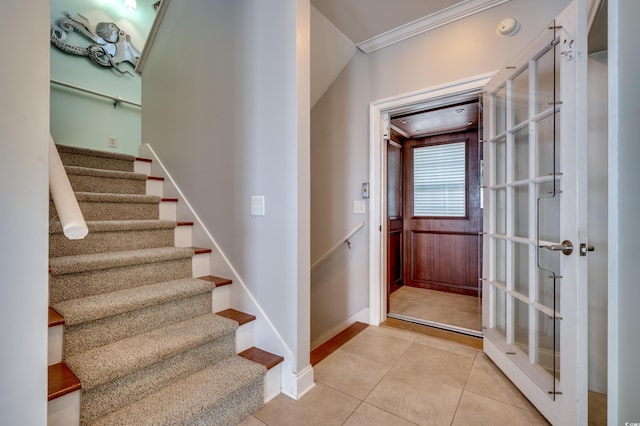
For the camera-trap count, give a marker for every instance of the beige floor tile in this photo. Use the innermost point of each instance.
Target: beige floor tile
(415, 399)
(437, 365)
(445, 345)
(444, 314)
(368, 415)
(323, 406)
(486, 379)
(352, 374)
(377, 346)
(413, 293)
(398, 305)
(251, 421)
(479, 410)
(597, 409)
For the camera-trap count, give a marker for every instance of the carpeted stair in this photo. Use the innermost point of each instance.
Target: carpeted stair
(139, 329)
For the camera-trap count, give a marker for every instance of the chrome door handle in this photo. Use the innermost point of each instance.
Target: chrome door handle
(566, 247)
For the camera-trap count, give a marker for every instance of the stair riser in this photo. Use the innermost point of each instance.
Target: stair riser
(103, 242)
(69, 286)
(238, 407)
(81, 183)
(111, 396)
(85, 336)
(90, 161)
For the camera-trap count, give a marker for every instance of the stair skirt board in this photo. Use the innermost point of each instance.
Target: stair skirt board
(139, 330)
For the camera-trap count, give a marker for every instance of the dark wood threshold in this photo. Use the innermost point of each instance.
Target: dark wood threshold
(145, 160)
(259, 356)
(200, 250)
(155, 178)
(240, 317)
(330, 346)
(184, 223)
(61, 381)
(473, 342)
(169, 200)
(55, 318)
(218, 281)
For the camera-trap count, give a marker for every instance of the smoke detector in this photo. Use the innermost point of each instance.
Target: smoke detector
(508, 27)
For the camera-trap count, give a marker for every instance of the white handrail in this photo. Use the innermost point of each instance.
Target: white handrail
(335, 247)
(71, 218)
(116, 99)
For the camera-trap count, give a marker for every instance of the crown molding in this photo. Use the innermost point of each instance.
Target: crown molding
(451, 14)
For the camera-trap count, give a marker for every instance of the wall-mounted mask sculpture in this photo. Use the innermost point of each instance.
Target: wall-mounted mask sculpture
(111, 47)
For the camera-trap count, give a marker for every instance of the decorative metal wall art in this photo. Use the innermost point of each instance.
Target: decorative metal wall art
(111, 47)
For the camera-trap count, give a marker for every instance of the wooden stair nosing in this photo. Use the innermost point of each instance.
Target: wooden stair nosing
(201, 250)
(160, 178)
(144, 160)
(61, 381)
(218, 281)
(184, 223)
(240, 317)
(169, 200)
(55, 318)
(259, 356)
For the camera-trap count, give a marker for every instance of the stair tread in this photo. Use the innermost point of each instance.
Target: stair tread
(123, 357)
(117, 198)
(60, 381)
(104, 173)
(104, 305)
(92, 262)
(191, 397)
(240, 317)
(94, 153)
(262, 357)
(55, 318)
(218, 281)
(119, 225)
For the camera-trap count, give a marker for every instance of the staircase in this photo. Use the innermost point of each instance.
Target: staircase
(141, 343)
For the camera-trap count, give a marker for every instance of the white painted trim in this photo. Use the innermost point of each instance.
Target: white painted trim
(413, 101)
(260, 314)
(362, 316)
(151, 38)
(296, 386)
(445, 16)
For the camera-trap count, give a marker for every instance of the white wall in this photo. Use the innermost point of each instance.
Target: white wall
(225, 117)
(79, 119)
(24, 155)
(624, 204)
(598, 197)
(339, 135)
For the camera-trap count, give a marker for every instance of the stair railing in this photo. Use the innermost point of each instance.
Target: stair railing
(64, 199)
(344, 240)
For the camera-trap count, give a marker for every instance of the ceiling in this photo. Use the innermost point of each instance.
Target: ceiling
(442, 120)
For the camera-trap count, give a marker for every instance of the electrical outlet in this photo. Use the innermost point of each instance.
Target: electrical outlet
(257, 205)
(112, 142)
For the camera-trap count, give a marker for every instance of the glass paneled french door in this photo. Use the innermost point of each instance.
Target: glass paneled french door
(535, 280)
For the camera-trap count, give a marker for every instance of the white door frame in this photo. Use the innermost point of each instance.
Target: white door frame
(379, 111)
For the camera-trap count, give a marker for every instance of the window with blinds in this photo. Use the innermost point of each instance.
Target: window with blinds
(439, 180)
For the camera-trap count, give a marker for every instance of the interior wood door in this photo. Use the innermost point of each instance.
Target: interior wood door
(394, 215)
(443, 219)
(535, 287)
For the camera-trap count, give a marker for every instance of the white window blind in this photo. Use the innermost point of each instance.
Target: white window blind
(439, 180)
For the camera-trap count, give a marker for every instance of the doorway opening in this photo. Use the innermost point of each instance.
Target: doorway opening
(386, 118)
(434, 217)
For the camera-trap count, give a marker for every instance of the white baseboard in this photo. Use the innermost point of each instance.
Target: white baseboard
(296, 386)
(362, 316)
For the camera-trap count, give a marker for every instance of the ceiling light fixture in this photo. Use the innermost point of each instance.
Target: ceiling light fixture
(130, 4)
(459, 111)
(508, 27)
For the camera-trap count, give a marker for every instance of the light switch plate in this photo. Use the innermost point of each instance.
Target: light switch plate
(257, 205)
(359, 207)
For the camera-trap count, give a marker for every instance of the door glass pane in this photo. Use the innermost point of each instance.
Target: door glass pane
(439, 180)
(500, 266)
(521, 211)
(548, 335)
(500, 111)
(546, 149)
(547, 78)
(548, 293)
(521, 268)
(549, 212)
(521, 325)
(499, 311)
(520, 99)
(521, 154)
(501, 211)
(501, 161)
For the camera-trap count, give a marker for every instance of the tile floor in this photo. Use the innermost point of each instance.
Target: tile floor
(389, 376)
(437, 306)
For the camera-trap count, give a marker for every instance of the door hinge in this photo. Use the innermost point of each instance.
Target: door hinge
(380, 228)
